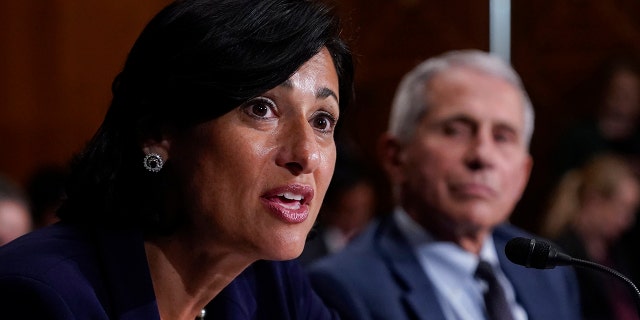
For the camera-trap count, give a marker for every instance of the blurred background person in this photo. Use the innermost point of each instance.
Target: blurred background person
(614, 124)
(15, 217)
(347, 208)
(45, 191)
(590, 210)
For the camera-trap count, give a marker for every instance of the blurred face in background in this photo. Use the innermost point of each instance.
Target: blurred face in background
(354, 209)
(621, 105)
(467, 164)
(608, 217)
(15, 220)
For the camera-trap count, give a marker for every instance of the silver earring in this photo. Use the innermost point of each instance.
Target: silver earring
(153, 162)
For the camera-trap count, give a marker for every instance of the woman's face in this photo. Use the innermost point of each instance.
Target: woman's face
(252, 180)
(612, 215)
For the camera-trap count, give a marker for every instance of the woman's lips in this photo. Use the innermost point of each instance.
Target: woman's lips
(289, 203)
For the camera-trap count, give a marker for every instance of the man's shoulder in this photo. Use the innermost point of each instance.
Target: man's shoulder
(363, 265)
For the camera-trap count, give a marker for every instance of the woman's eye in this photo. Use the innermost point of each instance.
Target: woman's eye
(262, 108)
(324, 122)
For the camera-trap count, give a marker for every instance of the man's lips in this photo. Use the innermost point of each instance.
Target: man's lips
(473, 190)
(290, 203)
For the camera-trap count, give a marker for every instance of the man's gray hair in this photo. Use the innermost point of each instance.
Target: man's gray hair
(411, 101)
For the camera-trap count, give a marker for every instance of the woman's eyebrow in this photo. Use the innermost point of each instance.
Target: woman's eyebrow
(325, 92)
(322, 93)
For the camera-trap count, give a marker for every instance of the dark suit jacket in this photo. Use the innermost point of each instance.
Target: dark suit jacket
(378, 277)
(65, 272)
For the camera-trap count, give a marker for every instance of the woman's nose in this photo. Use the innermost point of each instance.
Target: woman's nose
(299, 151)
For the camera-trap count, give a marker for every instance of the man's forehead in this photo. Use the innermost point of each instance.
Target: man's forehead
(463, 94)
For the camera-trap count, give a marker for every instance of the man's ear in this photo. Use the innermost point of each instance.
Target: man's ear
(527, 167)
(391, 157)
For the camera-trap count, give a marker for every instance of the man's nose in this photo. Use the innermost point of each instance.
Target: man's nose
(480, 152)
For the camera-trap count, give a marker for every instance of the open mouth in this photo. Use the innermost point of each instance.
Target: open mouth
(289, 203)
(291, 200)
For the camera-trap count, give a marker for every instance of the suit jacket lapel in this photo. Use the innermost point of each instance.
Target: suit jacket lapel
(127, 277)
(419, 294)
(528, 287)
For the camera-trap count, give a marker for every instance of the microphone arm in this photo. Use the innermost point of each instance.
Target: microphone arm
(592, 265)
(535, 253)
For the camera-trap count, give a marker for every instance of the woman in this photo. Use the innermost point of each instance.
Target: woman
(212, 161)
(591, 208)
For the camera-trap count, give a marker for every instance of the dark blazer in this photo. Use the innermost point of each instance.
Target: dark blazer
(378, 277)
(65, 272)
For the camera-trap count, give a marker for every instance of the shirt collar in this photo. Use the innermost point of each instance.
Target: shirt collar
(423, 241)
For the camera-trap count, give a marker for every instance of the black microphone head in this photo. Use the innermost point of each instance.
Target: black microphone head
(530, 253)
(517, 250)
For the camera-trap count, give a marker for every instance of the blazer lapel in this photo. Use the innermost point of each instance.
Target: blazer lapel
(127, 277)
(528, 286)
(419, 294)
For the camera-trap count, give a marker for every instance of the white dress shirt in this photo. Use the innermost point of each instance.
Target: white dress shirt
(451, 269)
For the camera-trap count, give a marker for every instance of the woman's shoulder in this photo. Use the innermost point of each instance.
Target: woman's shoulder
(280, 290)
(50, 252)
(85, 271)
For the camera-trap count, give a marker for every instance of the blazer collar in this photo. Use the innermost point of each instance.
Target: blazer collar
(419, 294)
(127, 275)
(528, 285)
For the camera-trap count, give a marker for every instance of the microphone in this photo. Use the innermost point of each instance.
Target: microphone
(538, 254)
(533, 253)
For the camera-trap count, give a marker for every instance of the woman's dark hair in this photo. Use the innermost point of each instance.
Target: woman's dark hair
(195, 61)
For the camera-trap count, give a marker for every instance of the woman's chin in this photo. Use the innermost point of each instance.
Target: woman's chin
(286, 251)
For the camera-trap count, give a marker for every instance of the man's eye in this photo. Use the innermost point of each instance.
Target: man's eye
(455, 129)
(450, 130)
(505, 137)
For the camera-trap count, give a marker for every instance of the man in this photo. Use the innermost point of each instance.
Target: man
(457, 155)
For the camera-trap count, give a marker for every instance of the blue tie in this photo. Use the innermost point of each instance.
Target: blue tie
(494, 297)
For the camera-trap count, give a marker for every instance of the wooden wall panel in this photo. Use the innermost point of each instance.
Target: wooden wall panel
(58, 59)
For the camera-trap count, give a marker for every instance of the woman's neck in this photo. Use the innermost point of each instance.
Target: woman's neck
(185, 277)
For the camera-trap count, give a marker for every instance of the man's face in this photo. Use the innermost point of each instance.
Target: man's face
(467, 164)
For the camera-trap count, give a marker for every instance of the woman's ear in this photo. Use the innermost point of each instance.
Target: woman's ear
(154, 138)
(160, 147)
